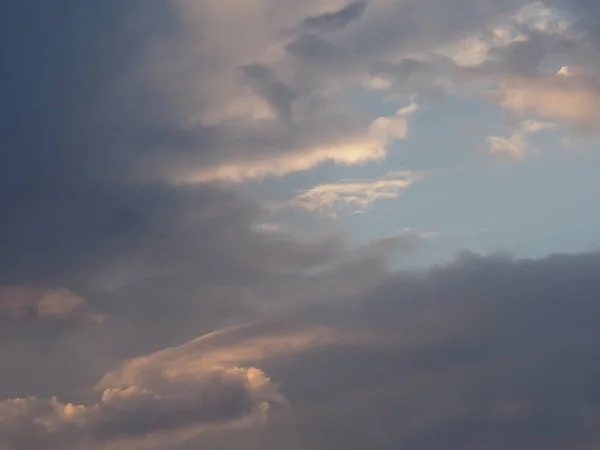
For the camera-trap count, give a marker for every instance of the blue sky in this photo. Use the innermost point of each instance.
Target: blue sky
(468, 198)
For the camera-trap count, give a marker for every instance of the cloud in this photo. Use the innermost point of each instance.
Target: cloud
(482, 351)
(352, 195)
(277, 104)
(514, 146)
(350, 148)
(168, 397)
(167, 413)
(108, 125)
(334, 20)
(20, 301)
(461, 353)
(572, 99)
(345, 148)
(393, 127)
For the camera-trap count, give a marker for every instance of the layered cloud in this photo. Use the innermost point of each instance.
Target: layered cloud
(169, 397)
(129, 131)
(164, 413)
(483, 350)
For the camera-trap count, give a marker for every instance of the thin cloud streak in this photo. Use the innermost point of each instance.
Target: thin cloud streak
(351, 196)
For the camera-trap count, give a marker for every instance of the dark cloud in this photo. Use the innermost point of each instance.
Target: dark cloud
(338, 19)
(57, 198)
(89, 139)
(587, 13)
(490, 352)
(485, 351)
(277, 93)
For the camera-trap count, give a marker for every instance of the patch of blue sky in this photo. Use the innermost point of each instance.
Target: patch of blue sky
(544, 205)
(472, 200)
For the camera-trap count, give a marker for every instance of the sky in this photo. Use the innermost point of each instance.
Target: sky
(311, 225)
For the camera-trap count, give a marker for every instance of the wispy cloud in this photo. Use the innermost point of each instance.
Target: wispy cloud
(349, 147)
(515, 146)
(352, 195)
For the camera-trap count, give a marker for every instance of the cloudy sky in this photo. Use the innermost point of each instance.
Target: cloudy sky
(304, 225)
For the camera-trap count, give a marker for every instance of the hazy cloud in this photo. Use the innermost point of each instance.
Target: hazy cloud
(576, 100)
(515, 146)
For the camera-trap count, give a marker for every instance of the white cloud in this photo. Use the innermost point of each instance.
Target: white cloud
(352, 195)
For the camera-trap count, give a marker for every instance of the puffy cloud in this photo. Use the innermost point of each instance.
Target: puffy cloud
(352, 195)
(169, 412)
(171, 396)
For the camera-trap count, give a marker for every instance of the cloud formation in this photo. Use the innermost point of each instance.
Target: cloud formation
(133, 136)
(352, 196)
(163, 413)
(514, 146)
(169, 397)
(482, 350)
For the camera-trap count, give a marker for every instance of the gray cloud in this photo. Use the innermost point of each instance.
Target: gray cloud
(488, 352)
(88, 135)
(277, 93)
(338, 19)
